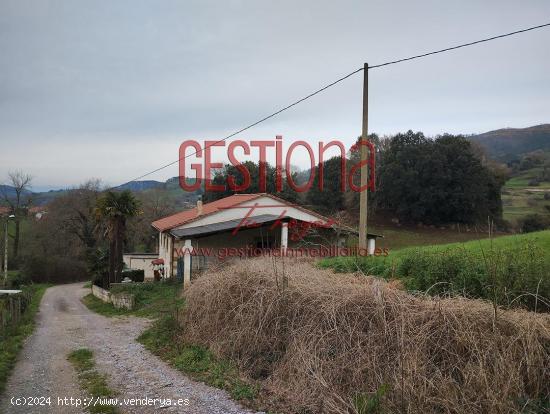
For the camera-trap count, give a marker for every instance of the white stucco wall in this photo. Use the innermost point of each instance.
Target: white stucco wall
(137, 261)
(165, 251)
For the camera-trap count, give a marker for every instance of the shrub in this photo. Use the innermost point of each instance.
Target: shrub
(547, 196)
(53, 269)
(98, 265)
(136, 275)
(16, 280)
(534, 222)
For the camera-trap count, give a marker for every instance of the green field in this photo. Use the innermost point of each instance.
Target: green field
(541, 239)
(399, 237)
(519, 199)
(522, 180)
(517, 265)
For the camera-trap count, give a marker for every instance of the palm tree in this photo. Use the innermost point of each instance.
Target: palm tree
(113, 208)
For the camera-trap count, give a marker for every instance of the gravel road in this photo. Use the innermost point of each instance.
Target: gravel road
(65, 324)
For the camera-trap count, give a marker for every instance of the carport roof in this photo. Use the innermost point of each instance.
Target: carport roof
(231, 224)
(221, 226)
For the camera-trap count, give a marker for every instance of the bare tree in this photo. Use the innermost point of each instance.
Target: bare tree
(154, 205)
(18, 200)
(73, 212)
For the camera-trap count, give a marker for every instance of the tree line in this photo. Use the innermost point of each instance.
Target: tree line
(86, 229)
(418, 179)
(83, 234)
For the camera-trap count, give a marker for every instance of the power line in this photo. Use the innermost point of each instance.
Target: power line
(460, 46)
(255, 123)
(393, 62)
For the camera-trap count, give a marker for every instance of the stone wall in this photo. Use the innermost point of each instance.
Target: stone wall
(101, 293)
(122, 300)
(119, 300)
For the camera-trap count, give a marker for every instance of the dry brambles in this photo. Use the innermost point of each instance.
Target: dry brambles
(323, 342)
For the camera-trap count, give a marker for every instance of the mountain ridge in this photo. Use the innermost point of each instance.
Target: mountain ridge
(506, 144)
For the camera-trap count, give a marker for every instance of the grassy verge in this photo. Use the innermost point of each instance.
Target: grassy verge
(516, 266)
(164, 340)
(92, 381)
(11, 341)
(151, 300)
(106, 309)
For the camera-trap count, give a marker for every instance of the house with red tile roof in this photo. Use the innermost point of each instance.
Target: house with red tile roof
(239, 226)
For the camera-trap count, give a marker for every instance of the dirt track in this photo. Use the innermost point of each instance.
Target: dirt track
(65, 324)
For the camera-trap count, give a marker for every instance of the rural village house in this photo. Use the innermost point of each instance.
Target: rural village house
(239, 226)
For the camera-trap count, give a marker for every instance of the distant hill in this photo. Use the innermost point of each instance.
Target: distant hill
(169, 189)
(10, 191)
(37, 199)
(44, 197)
(140, 185)
(510, 143)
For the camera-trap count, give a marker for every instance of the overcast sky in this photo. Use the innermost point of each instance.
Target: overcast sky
(109, 89)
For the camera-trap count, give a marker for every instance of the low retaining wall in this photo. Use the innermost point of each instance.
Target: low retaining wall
(119, 300)
(101, 293)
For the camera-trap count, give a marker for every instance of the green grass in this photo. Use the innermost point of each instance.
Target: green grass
(106, 309)
(11, 340)
(163, 338)
(522, 180)
(519, 199)
(151, 300)
(519, 203)
(82, 359)
(541, 239)
(396, 238)
(515, 263)
(92, 381)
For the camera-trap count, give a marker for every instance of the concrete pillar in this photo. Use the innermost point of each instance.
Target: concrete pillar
(371, 245)
(284, 237)
(187, 248)
(170, 255)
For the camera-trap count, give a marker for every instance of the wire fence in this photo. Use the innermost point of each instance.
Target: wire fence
(12, 307)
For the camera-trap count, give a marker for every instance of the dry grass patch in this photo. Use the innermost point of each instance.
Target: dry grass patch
(324, 342)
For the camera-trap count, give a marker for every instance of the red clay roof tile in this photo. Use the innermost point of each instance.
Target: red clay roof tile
(186, 216)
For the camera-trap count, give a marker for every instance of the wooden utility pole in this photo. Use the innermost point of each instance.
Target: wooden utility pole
(364, 168)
